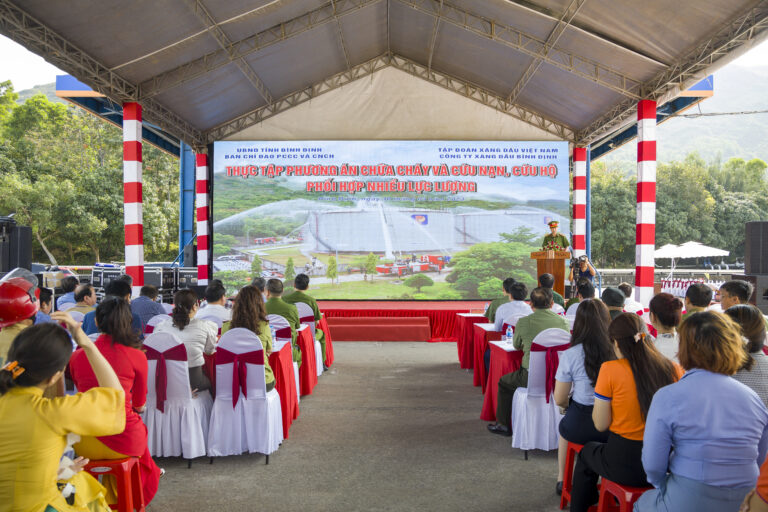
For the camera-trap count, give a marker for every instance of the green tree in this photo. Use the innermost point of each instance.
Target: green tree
(221, 249)
(613, 204)
(523, 235)
(7, 99)
(256, 266)
(491, 289)
(483, 261)
(370, 264)
(290, 271)
(332, 270)
(419, 281)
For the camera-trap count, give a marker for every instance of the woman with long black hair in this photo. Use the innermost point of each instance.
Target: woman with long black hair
(577, 372)
(623, 394)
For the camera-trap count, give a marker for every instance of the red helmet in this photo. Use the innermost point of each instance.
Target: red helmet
(18, 297)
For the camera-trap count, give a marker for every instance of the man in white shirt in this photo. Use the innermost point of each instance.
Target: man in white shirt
(630, 305)
(514, 309)
(586, 291)
(215, 296)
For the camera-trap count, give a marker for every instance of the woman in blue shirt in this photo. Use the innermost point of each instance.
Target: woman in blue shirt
(579, 365)
(707, 434)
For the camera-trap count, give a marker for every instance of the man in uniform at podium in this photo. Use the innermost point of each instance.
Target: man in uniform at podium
(554, 237)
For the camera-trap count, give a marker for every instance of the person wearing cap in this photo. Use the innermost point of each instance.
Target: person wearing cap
(613, 298)
(554, 237)
(19, 304)
(583, 269)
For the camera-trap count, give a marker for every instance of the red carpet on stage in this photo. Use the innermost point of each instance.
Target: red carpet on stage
(395, 320)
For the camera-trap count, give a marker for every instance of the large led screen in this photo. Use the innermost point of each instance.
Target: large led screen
(423, 220)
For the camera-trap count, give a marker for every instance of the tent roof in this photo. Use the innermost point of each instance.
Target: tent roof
(205, 69)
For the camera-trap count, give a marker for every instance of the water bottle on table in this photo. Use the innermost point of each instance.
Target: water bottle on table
(510, 334)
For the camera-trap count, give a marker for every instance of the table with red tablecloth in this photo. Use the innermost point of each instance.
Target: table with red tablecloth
(484, 333)
(503, 361)
(442, 322)
(323, 326)
(465, 337)
(308, 368)
(281, 363)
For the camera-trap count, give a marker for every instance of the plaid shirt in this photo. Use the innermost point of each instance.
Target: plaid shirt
(145, 308)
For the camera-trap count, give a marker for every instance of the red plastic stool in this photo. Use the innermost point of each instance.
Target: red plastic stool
(626, 495)
(130, 495)
(570, 459)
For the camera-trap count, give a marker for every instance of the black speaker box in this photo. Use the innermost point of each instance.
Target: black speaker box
(21, 247)
(756, 248)
(190, 255)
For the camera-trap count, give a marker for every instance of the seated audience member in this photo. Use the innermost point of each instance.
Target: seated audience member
(613, 298)
(582, 271)
(526, 329)
(85, 299)
(548, 281)
(119, 345)
(145, 307)
(249, 313)
(261, 284)
(590, 348)
(277, 306)
(707, 434)
(735, 292)
(115, 288)
(698, 296)
(18, 309)
(300, 285)
(68, 285)
(46, 305)
(630, 304)
(198, 336)
(490, 312)
(586, 290)
(216, 298)
(33, 429)
(665, 313)
(514, 309)
(623, 394)
(754, 372)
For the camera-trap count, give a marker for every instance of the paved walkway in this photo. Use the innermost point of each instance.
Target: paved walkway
(392, 427)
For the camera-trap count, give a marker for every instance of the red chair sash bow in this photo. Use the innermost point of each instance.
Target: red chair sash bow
(149, 329)
(309, 319)
(504, 329)
(552, 359)
(239, 369)
(177, 353)
(285, 332)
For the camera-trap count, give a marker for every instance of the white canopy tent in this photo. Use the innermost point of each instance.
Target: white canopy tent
(687, 250)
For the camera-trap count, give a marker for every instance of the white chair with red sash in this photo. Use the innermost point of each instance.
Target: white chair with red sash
(307, 316)
(535, 415)
(167, 307)
(153, 322)
(211, 318)
(245, 417)
(77, 316)
(510, 322)
(283, 334)
(177, 421)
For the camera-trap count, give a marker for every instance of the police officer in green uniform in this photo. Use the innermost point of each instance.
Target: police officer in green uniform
(277, 306)
(555, 237)
(301, 283)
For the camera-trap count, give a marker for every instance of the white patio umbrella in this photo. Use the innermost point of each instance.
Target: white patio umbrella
(669, 251)
(687, 250)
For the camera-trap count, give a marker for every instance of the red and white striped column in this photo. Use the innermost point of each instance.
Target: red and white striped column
(132, 197)
(645, 239)
(201, 207)
(579, 232)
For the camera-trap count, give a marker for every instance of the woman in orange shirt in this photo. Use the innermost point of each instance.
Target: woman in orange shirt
(623, 394)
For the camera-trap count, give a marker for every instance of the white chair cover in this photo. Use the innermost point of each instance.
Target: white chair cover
(254, 424)
(167, 307)
(153, 322)
(182, 427)
(282, 326)
(534, 421)
(66, 306)
(211, 318)
(307, 316)
(557, 308)
(94, 336)
(77, 316)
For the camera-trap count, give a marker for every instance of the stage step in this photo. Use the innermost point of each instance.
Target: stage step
(376, 328)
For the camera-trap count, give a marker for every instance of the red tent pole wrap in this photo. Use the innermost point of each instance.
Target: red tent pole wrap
(579, 232)
(646, 201)
(132, 196)
(201, 204)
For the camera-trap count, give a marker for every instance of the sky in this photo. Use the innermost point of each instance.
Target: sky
(25, 69)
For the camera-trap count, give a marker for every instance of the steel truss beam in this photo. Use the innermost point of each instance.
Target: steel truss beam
(562, 23)
(226, 44)
(433, 37)
(466, 89)
(341, 36)
(26, 30)
(529, 45)
(291, 100)
(239, 49)
(684, 73)
(477, 93)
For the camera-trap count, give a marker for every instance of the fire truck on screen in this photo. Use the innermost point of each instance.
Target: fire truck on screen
(423, 263)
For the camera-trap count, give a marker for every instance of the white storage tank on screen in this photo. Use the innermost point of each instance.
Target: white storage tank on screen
(485, 226)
